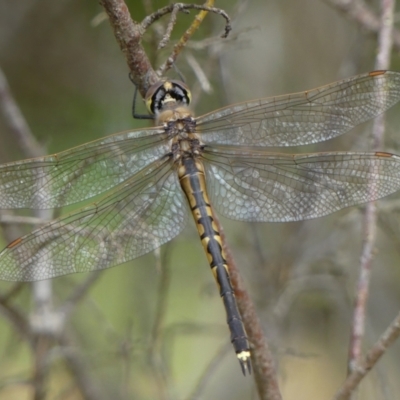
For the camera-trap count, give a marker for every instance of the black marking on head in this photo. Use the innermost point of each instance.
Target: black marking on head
(169, 92)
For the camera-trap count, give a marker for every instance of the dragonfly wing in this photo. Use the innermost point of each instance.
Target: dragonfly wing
(303, 118)
(81, 172)
(140, 216)
(277, 187)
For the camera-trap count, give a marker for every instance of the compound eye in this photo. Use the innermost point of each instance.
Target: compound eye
(150, 97)
(181, 92)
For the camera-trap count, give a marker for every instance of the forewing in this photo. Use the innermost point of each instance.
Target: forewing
(81, 172)
(275, 187)
(140, 216)
(303, 118)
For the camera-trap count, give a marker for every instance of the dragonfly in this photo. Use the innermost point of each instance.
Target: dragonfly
(151, 180)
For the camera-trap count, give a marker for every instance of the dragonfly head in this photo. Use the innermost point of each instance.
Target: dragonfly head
(167, 95)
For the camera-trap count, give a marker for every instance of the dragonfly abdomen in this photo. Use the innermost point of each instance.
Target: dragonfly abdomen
(191, 177)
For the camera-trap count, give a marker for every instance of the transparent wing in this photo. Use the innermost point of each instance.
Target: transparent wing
(303, 118)
(263, 186)
(140, 216)
(81, 172)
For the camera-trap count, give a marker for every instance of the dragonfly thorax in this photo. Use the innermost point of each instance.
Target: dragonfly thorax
(176, 117)
(182, 132)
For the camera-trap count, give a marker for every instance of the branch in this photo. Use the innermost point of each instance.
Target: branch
(372, 357)
(370, 219)
(129, 34)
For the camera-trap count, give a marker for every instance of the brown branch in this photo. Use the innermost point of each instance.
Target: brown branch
(129, 34)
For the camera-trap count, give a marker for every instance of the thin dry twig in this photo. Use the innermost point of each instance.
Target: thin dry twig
(369, 361)
(362, 293)
(79, 292)
(158, 366)
(174, 9)
(87, 385)
(25, 139)
(41, 291)
(129, 34)
(45, 320)
(16, 317)
(215, 50)
(16, 121)
(172, 21)
(208, 373)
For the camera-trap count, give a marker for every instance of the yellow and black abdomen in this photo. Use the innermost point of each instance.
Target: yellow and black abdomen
(192, 180)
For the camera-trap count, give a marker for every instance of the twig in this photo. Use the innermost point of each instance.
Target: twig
(15, 289)
(158, 368)
(215, 49)
(183, 7)
(172, 21)
(362, 293)
(20, 128)
(201, 77)
(16, 121)
(18, 320)
(80, 291)
(44, 320)
(190, 31)
(41, 291)
(209, 373)
(129, 34)
(372, 357)
(89, 389)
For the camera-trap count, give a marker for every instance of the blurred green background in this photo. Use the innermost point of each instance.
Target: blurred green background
(71, 82)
